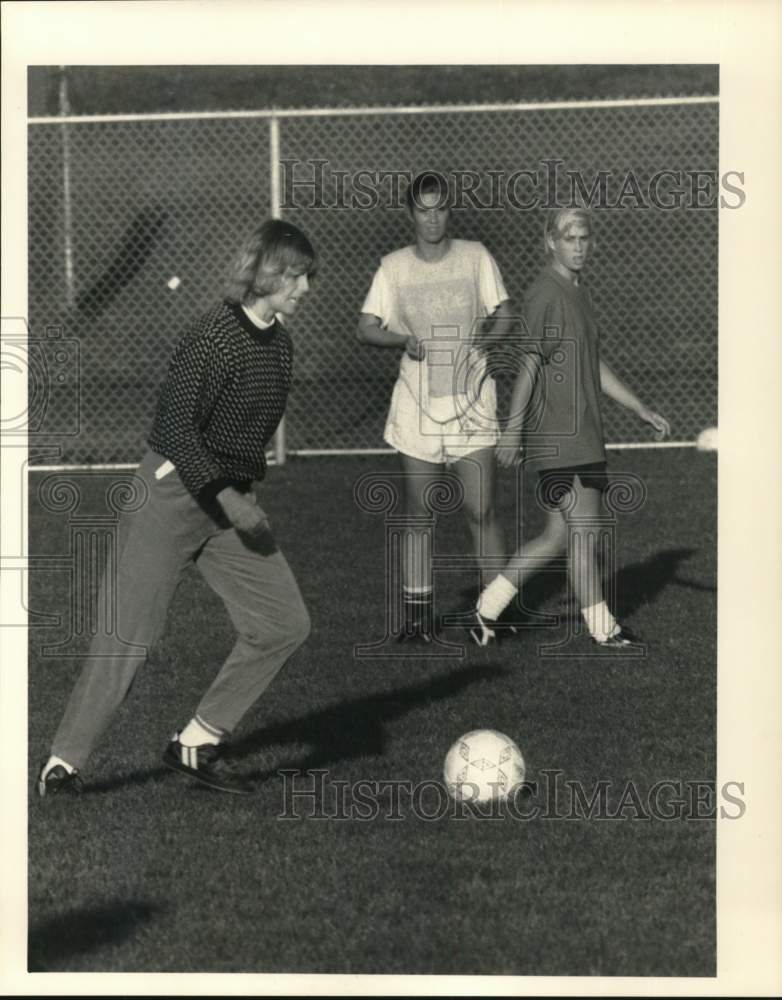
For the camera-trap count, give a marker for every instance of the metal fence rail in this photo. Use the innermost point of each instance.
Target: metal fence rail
(120, 205)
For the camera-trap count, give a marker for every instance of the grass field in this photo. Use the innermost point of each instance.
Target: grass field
(147, 873)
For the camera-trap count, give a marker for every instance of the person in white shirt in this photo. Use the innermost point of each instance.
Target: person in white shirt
(436, 299)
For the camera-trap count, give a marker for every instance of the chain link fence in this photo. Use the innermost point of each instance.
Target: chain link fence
(117, 209)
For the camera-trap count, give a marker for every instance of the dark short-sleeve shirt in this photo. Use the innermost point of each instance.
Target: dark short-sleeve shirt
(563, 425)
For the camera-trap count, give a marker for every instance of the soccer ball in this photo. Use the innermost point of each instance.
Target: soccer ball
(707, 440)
(483, 765)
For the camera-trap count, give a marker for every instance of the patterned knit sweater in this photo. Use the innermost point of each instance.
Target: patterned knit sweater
(224, 395)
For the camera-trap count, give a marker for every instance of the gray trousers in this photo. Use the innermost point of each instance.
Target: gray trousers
(159, 541)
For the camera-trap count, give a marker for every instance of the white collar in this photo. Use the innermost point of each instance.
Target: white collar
(259, 323)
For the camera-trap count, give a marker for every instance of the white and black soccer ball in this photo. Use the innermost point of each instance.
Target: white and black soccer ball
(707, 440)
(483, 765)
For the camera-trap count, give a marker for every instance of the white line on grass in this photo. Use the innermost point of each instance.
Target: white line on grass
(316, 452)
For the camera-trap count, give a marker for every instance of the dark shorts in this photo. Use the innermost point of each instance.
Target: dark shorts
(555, 484)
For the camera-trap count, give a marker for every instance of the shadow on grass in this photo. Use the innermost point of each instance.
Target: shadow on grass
(641, 582)
(635, 585)
(343, 731)
(127, 781)
(52, 945)
(357, 728)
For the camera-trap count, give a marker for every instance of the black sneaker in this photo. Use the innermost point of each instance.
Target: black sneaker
(59, 781)
(621, 639)
(481, 630)
(204, 763)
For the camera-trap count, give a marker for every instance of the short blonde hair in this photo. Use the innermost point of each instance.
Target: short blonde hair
(557, 219)
(268, 252)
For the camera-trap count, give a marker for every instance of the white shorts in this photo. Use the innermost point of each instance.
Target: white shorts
(421, 434)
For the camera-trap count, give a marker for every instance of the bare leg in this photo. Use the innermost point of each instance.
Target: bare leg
(537, 552)
(476, 473)
(584, 529)
(417, 554)
(527, 560)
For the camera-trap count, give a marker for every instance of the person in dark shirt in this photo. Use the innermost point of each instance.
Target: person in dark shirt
(222, 400)
(563, 402)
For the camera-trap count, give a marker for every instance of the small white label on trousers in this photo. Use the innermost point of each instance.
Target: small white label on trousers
(163, 470)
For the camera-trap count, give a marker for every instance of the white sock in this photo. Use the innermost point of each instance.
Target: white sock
(195, 734)
(496, 597)
(600, 622)
(54, 762)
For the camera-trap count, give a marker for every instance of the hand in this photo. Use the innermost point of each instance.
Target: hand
(661, 426)
(508, 448)
(243, 511)
(415, 348)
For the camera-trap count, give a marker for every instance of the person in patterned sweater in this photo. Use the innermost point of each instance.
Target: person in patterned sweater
(223, 398)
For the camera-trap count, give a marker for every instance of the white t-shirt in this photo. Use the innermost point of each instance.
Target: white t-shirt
(441, 302)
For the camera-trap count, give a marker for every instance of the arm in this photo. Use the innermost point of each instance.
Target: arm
(376, 322)
(502, 322)
(510, 440)
(498, 337)
(371, 331)
(616, 389)
(199, 372)
(533, 345)
(243, 511)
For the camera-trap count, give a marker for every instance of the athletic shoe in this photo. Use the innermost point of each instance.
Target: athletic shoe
(204, 763)
(507, 624)
(623, 638)
(481, 630)
(59, 781)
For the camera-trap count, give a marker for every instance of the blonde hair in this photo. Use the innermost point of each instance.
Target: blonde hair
(557, 219)
(264, 257)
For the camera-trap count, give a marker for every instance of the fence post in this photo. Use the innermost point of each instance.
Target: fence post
(65, 110)
(274, 192)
